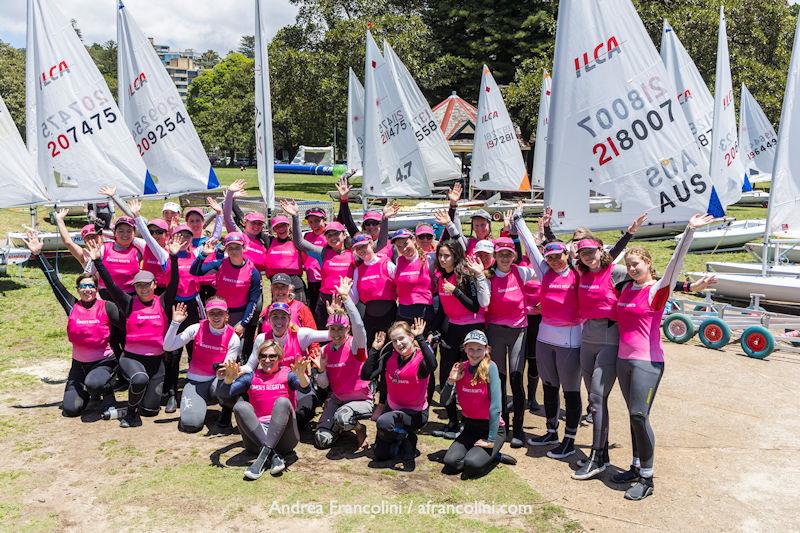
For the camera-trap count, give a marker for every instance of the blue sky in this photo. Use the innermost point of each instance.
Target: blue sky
(198, 24)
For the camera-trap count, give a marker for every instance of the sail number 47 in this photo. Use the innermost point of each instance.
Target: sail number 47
(402, 176)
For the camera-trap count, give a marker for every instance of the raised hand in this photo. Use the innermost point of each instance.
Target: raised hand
(442, 217)
(232, 371)
(343, 186)
(379, 341)
(107, 190)
(391, 209)
(62, 213)
(237, 188)
(343, 289)
(456, 373)
(179, 313)
(95, 249)
(209, 246)
(290, 206)
(300, 367)
(418, 326)
(33, 242)
(454, 194)
(474, 266)
(135, 206)
(699, 220)
(177, 243)
(213, 204)
(636, 224)
(703, 283)
(317, 358)
(508, 217)
(547, 218)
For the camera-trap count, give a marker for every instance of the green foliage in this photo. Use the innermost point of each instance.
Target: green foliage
(208, 59)
(105, 57)
(12, 83)
(247, 46)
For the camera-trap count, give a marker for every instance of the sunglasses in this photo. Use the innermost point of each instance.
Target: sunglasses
(87, 286)
(371, 223)
(157, 231)
(269, 356)
(424, 237)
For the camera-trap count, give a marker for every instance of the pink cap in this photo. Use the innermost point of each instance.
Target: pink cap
(504, 243)
(279, 219)
(125, 220)
(587, 243)
(554, 248)
(254, 216)
(337, 320)
(373, 215)
(216, 303)
(159, 223)
(181, 227)
(193, 210)
(88, 229)
(335, 226)
(233, 237)
(425, 229)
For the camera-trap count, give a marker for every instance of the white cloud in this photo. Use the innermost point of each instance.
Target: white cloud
(197, 24)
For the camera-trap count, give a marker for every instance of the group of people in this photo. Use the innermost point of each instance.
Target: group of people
(353, 322)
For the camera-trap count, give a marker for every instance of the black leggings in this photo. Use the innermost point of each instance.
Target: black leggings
(117, 337)
(312, 294)
(396, 426)
(452, 354)
(85, 380)
(473, 460)
(280, 434)
(530, 353)
(375, 322)
(172, 360)
(145, 375)
(321, 310)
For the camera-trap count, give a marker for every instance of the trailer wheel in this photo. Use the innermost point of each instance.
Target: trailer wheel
(714, 333)
(497, 216)
(757, 342)
(678, 328)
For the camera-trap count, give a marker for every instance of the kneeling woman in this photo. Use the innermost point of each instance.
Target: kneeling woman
(267, 421)
(215, 342)
(89, 323)
(476, 384)
(406, 370)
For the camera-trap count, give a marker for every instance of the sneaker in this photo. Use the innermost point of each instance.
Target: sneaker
(278, 465)
(640, 490)
(256, 468)
(591, 467)
(131, 419)
(172, 404)
(452, 431)
(587, 419)
(548, 439)
(506, 459)
(629, 476)
(606, 459)
(562, 451)
(518, 440)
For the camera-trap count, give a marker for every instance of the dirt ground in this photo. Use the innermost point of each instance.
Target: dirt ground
(726, 426)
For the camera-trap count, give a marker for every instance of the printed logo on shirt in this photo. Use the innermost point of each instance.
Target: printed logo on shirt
(508, 289)
(148, 317)
(215, 347)
(124, 260)
(589, 287)
(90, 321)
(623, 304)
(234, 281)
(268, 386)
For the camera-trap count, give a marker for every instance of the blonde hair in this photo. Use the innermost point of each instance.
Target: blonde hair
(271, 343)
(405, 326)
(482, 372)
(644, 253)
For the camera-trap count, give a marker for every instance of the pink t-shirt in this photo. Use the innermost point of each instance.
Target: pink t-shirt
(334, 267)
(209, 348)
(559, 297)
(233, 284)
(145, 328)
(282, 257)
(455, 310)
(413, 281)
(473, 399)
(254, 251)
(597, 297)
(507, 303)
(122, 265)
(151, 264)
(265, 390)
(374, 282)
(310, 263)
(344, 372)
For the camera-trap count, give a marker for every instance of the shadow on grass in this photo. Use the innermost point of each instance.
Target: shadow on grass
(36, 406)
(241, 459)
(8, 284)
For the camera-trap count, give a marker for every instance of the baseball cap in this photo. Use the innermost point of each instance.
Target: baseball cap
(316, 212)
(337, 319)
(279, 307)
(554, 248)
(279, 219)
(402, 233)
(504, 243)
(254, 216)
(482, 213)
(484, 246)
(425, 229)
(233, 238)
(159, 223)
(334, 226)
(181, 227)
(193, 210)
(360, 239)
(125, 220)
(216, 303)
(587, 243)
(281, 279)
(143, 276)
(88, 229)
(171, 206)
(476, 335)
(372, 215)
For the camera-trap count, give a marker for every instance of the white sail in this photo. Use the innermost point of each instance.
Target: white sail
(265, 151)
(17, 170)
(82, 140)
(615, 124)
(540, 148)
(757, 139)
(440, 165)
(497, 163)
(355, 123)
(784, 203)
(156, 116)
(393, 166)
(727, 171)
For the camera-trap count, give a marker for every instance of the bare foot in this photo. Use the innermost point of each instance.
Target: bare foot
(378, 411)
(361, 436)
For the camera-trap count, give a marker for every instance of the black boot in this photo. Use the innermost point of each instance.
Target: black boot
(640, 490)
(131, 418)
(629, 476)
(593, 466)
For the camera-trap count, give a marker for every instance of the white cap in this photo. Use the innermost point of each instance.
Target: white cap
(484, 246)
(171, 206)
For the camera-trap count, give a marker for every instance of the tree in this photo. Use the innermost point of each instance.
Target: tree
(12, 83)
(221, 102)
(74, 24)
(105, 57)
(247, 46)
(208, 59)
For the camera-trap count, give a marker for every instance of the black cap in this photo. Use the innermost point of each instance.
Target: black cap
(281, 279)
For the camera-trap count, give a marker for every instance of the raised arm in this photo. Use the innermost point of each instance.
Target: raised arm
(290, 207)
(122, 299)
(538, 263)
(345, 216)
(359, 332)
(235, 189)
(174, 340)
(63, 296)
(623, 241)
(176, 244)
(199, 266)
(453, 229)
(76, 251)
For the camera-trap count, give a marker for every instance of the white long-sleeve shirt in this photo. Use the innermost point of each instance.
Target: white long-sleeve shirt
(174, 340)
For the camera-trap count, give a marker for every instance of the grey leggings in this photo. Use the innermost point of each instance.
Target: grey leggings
(145, 375)
(280, 434)
(473, 460)
(197, 396)
(339, 416)
(638, 381)
(507, 342)
(560, 366)
(599, 368)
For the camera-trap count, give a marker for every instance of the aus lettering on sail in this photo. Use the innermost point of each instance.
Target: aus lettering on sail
(604, 51)
(392, 124)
